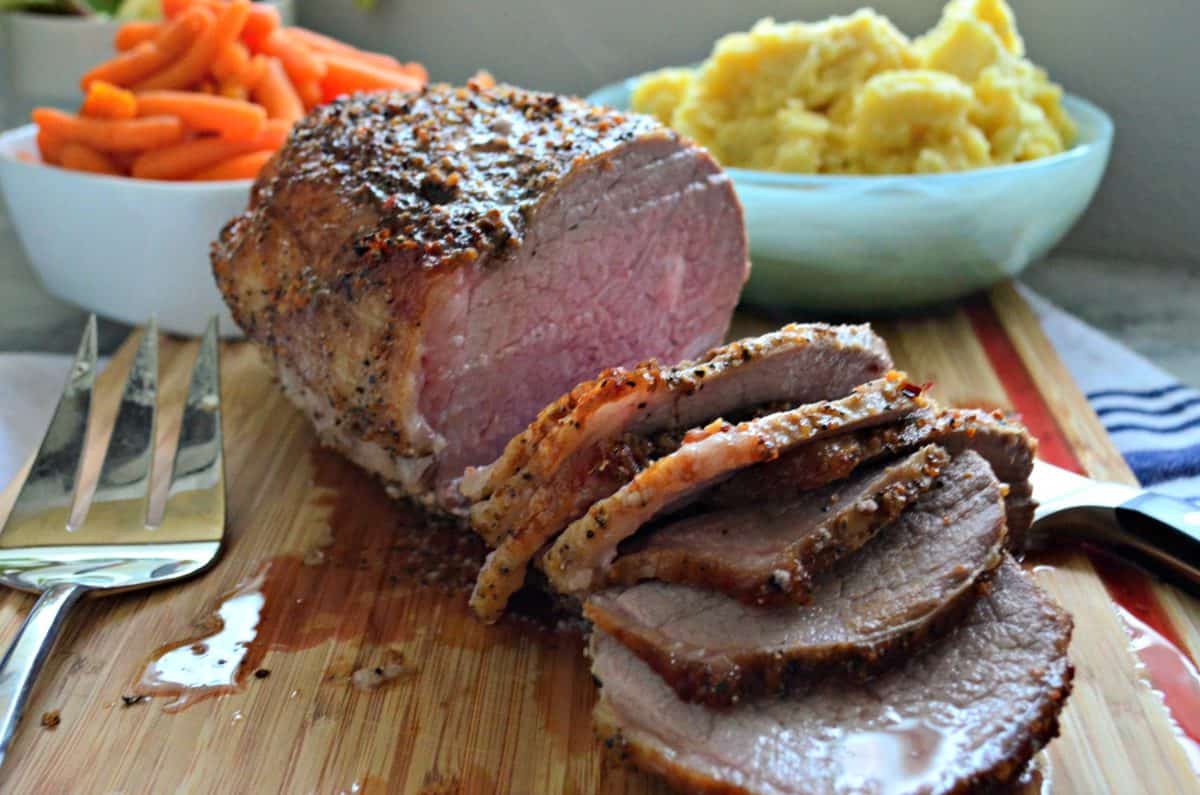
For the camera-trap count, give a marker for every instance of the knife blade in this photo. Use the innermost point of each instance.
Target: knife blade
(1158, 532)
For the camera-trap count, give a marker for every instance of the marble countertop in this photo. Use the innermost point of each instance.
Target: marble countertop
(1151, 307)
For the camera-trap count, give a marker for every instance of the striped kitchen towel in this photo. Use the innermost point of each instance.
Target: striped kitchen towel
(1153, 419)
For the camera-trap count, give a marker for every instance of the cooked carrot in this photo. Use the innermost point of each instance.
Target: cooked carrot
(177, 36)
(309, 92)
(185, 159)
(275, 134)
(347, 74)
(320, 43)
(232, 89)
(231, 61)
(111, 135)
(106, 101)
(149, 57)
(131, 34)
(172, 8)
(198, 59)
(241, 167)
(300, 63)
(277, 94)
(233, 119)
(128, 67)
(254, 71)
(50, 144)
(263, 19)
(78, 157)
(414, 69)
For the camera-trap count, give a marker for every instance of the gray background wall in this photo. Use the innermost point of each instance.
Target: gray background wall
(1139, 61)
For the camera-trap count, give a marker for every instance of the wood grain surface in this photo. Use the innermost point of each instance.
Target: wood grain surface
(478, 709)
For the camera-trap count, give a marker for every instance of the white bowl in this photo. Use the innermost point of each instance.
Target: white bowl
(122, 248)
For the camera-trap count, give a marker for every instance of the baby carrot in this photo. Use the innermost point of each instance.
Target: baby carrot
(347, 74)
(106, 101)
(50, 145)
(244, 166)
(111, 135)
(175, 37)
(299, 61)
(414, 69)
(232, 89)
(172, 8)
(78, 157)
(128, 67)
(195, 63)
(231, 61)
(277, 94)
(185, 159)
(254, 71)
(263, 19)
(233, 119)
(320, 43)
(309, 92)
(149, 57)
(134, 33)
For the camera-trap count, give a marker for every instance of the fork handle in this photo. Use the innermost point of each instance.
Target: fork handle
(28, 652)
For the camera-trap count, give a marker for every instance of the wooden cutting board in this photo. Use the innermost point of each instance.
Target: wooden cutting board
(328, 568)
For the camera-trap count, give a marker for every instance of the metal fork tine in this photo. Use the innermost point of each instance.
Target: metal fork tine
(197, 490)
(129, 457)
(51, 480)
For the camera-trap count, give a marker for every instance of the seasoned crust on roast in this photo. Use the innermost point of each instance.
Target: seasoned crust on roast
(386, 243)
(449, 173)
(577, 559)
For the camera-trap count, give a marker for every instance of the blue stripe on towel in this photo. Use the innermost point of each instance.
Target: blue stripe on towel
(1156, 466)
(1194, 422)
(1135, 393)
(1174, 408)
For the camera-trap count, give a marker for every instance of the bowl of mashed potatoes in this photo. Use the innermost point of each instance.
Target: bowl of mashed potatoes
(880, 172)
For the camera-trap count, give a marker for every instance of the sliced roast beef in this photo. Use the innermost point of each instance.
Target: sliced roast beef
(967, 714)
(595, 439)
(588, 438)
(427, 270)
(1001, 440)
(577, 560)
(768, 553)
(913, 580)
(800, 363)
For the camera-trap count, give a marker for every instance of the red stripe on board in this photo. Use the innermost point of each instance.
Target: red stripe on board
(1019, 384)
(1127, 586)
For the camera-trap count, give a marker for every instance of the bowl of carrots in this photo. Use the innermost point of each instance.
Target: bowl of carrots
(116, 205)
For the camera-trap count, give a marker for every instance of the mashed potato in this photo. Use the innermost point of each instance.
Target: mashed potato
(855, 95)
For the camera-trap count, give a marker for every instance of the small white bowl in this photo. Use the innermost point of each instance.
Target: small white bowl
(123, 248)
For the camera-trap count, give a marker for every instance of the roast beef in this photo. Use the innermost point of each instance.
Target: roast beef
(966, 714)
(915, 578)
(579, 556)
(768, 552)
(593, 440)
(427, 270)
(1003, 442)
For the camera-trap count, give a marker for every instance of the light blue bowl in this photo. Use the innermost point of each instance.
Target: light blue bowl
(845, 243)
